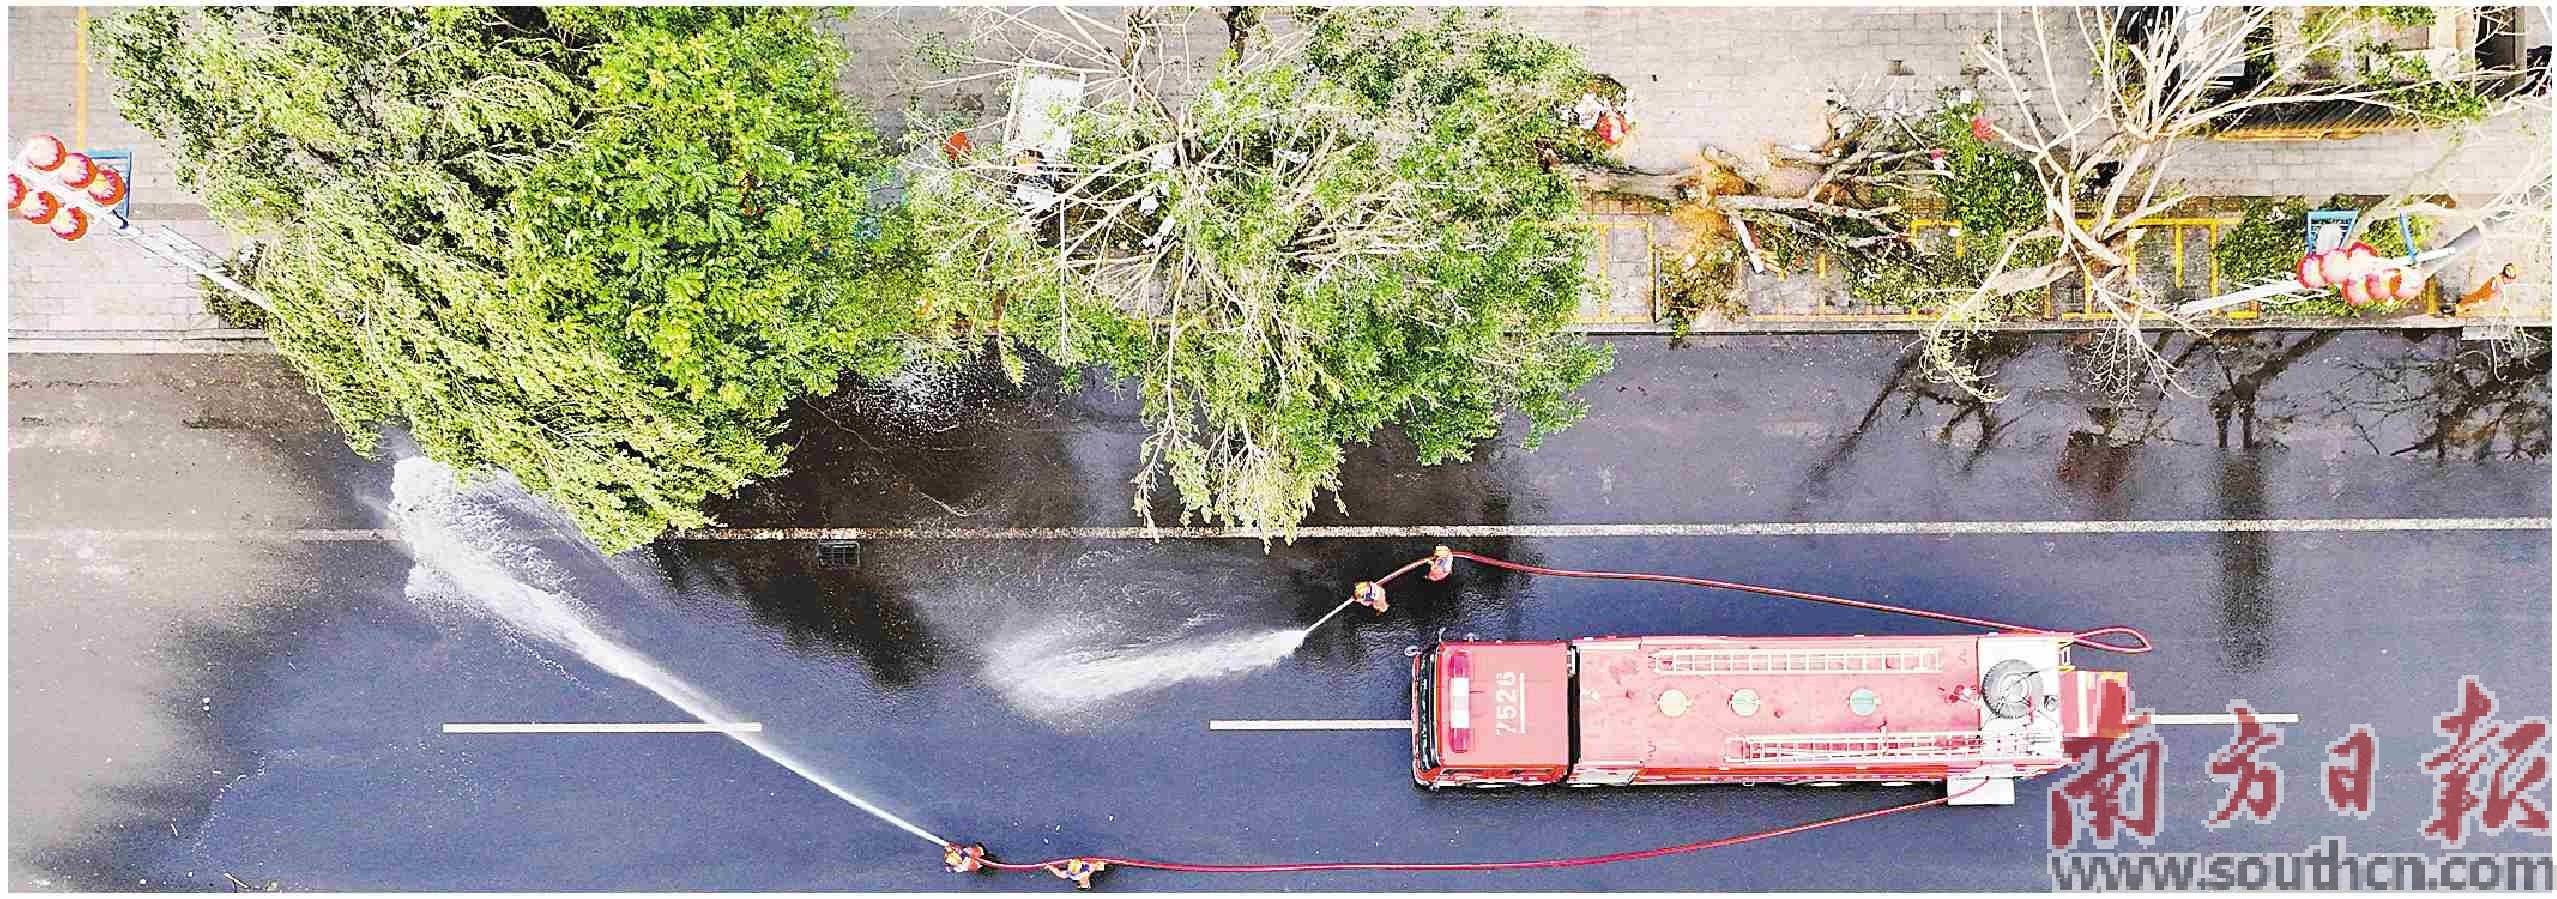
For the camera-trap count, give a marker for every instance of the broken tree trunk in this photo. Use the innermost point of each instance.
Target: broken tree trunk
(1667, 188)
(1735, 204)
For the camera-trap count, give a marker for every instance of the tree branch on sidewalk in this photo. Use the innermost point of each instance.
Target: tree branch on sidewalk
(2102, 146)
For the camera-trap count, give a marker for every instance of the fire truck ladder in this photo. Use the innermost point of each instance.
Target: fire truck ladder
(1879, 747)
(1782, 660)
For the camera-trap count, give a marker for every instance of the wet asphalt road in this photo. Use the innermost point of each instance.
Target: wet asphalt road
(183, 712)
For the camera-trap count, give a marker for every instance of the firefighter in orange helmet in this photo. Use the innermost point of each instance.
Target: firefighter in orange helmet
(1370, 594)
(967, 859)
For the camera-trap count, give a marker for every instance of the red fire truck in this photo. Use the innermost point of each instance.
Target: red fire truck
(1976, 713)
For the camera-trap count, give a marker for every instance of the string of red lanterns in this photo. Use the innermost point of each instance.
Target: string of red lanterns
(2361, 275)
(64, 186)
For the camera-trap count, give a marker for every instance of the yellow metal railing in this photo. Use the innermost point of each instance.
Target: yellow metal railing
(2179, 259)
(1604, 226)
(2179, 233)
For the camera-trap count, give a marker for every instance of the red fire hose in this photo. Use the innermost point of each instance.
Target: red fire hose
(2079, 636)
(1062, 864)
(1081, 869)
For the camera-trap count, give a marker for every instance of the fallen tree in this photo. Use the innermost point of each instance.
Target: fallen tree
(1342, 222)
(2050, 163)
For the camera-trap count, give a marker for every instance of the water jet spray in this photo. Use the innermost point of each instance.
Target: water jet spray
(458, 533)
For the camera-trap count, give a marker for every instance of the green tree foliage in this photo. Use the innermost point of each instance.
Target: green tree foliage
(2402, 16)
(1988, 187)
(1325, 239)
(2415, 89)
(597, 248)
(2266, 243)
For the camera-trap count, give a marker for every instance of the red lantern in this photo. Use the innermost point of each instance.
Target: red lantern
(73, 223)
(2350, 263)
(44, 153)
(2363, 257)
(79, 171)
(2357, 291)
(109, 188)
(41, 208)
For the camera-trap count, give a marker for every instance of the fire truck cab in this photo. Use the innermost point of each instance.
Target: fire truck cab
(1492, 714)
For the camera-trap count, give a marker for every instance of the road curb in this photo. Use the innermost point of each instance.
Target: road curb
(1868, 326)
(202, 340)
(251, 341)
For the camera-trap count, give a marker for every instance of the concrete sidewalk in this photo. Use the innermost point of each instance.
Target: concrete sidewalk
(96, 294)
(1740, 78)
(1745, 78)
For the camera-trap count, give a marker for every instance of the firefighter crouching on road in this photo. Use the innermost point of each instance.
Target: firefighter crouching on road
(1370, 594)
(968, 859)
(1079, 870)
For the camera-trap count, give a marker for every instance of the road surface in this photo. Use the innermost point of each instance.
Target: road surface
(220, 667)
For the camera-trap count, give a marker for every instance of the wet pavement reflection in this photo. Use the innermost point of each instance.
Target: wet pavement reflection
(1827, 427)
(1047, 696)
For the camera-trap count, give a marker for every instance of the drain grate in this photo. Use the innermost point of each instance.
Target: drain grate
(838, 554)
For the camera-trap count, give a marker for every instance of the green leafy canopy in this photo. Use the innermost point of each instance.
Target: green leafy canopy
(599, 248)
(603, 248)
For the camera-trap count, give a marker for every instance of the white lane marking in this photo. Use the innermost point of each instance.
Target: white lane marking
(2221, 718)
(2218, 718)
(1733, 529)
(170, 535)
(1312, 724)
(605, 727)
(1737, 529)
